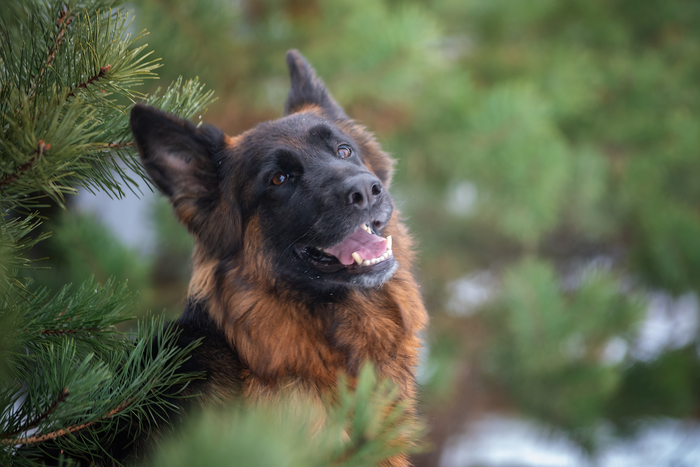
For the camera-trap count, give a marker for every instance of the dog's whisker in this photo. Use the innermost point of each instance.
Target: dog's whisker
(296, 241)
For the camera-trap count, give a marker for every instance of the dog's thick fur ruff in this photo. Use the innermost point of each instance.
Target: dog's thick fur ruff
(272, 313)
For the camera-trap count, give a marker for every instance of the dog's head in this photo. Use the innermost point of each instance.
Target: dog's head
(309, 191)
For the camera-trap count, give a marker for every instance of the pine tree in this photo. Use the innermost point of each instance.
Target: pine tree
(69, 380)
(68, 72)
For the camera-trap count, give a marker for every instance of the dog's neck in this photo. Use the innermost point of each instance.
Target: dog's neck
(281, 337)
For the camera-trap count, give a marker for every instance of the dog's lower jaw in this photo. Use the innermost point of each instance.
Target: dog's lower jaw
(375, 280)
(305, 275)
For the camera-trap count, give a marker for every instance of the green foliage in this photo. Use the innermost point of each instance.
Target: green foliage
(664, 387)
(67, 375)
(516, 120)
(47, 126)
(15, 243)
(549, 349)
(70, 369)
(81, 246)
(367, 426)
(79, 313)
(66, 90)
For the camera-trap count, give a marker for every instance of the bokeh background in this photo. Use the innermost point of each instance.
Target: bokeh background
(549, 167)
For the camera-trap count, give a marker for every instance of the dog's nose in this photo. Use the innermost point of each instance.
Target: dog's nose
(363, 190)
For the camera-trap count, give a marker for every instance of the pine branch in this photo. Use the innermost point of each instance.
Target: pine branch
(77, 313)
(67, 76)
(61, 397)
(15, 241)
(63, 21)
(135, 381)
(64, 431)
(27, 165)
(89, 81)
(120, 145)
(64, 332)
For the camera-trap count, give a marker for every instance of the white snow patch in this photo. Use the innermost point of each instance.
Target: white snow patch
(500, 441)
(461, 198)
(469, 292)
(670, 323)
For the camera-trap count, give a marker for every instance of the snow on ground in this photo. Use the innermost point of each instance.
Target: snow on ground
(499, 441)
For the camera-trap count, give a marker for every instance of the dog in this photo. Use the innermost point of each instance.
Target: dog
(301, 268)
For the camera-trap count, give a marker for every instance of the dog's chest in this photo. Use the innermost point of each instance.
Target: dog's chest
(294, 343)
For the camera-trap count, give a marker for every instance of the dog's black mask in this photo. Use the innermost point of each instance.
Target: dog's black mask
(311, 187)
(321, 209)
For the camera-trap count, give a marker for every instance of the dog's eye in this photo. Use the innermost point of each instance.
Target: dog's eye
(279, 178)
(344, 151)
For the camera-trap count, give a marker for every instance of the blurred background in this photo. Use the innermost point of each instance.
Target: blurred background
(549, 167)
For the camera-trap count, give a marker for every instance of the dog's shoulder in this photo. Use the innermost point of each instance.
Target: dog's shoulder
(214, 359)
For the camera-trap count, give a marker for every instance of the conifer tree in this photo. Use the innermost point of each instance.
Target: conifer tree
(68, 73)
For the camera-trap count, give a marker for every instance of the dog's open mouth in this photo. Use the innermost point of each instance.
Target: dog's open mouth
(362, 251)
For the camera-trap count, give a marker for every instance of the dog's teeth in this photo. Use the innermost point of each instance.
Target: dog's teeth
(370, 262)
(388, 243)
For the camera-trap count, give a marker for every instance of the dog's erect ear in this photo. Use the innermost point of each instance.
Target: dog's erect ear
(180, 159)
(175, 153)
(308, 89)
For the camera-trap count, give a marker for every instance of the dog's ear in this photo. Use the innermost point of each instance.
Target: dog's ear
(307, 89)
(180, 158)
(176, 154)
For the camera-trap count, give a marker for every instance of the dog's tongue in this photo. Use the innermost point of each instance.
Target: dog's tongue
(367, 245)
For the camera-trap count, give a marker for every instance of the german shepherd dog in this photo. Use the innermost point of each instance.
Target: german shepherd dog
(301, 265)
